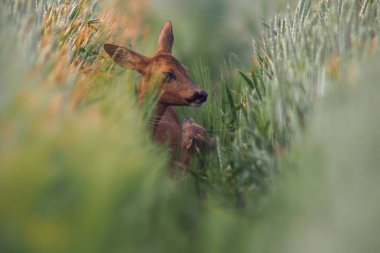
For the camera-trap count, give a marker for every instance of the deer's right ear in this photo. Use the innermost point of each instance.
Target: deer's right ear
(166, 39)
(127, 58)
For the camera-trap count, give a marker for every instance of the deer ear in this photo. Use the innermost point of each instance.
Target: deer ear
(166, 39)
(127, 58)
(189, 143)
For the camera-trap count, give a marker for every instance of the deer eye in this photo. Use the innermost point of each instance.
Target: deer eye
(168, 76)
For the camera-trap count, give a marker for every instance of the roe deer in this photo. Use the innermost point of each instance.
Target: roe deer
(194, 139)
(164, 73)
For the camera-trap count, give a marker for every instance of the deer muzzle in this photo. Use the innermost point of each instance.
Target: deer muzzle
(198, 98)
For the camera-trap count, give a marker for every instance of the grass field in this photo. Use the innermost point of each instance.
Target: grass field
(293, 105)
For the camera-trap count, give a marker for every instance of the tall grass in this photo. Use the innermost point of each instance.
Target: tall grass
(67, 175)
(298, 59)
(292, 164)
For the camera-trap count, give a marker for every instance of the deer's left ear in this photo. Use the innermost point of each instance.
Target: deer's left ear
(189, 142)
(166, 39)
(127, 58)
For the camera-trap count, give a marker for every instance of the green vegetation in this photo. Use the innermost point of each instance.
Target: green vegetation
(295, 167)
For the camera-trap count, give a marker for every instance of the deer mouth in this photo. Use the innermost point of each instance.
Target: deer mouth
(197, 99)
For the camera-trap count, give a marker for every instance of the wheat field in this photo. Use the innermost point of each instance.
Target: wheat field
(293, 106)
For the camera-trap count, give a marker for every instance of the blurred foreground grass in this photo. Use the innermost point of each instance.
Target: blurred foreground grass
(297, 138)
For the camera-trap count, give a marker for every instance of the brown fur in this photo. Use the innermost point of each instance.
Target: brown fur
(178, 91)
(194, 138)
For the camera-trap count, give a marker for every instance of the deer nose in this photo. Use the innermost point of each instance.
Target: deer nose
(200, 96)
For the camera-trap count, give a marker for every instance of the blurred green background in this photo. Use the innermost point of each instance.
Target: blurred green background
(294, 114)
(210, 31)
(213, 32)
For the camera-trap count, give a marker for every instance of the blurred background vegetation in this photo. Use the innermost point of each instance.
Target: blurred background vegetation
(214, 31)
(293, 105)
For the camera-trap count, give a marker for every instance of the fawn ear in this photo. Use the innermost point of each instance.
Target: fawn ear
(127, 58)
(189, 143)
(166, 39)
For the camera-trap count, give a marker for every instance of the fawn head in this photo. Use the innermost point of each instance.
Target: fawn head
(162, 72)
(194, 136)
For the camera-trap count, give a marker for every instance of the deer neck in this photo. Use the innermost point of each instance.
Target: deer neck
(158, 111)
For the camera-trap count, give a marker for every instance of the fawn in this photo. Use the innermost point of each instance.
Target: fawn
(195, 139)
(166, 75)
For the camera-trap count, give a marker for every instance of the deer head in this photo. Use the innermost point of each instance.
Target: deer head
(162, 72)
